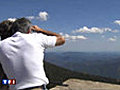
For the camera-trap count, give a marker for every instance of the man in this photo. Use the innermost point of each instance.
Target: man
(5, 31)
(22, 55)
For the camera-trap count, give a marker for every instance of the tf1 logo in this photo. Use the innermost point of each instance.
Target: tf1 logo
(8, 81)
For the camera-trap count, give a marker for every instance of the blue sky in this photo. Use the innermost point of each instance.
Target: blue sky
(87, 25)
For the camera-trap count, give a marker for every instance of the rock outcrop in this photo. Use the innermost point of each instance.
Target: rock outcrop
(77, 84)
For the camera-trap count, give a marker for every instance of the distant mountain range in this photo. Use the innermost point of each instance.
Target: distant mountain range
(103, 64)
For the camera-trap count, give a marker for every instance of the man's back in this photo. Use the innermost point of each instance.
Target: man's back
(22, 58)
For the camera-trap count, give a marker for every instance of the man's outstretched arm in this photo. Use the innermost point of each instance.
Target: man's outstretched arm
(60, 39)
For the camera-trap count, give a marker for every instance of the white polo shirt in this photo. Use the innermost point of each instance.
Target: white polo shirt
(22, 57)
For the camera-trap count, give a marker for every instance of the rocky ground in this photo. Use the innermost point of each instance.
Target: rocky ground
(77, 84)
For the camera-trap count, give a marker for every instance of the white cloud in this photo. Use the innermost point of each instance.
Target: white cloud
(61, 33)
(113, 39)
(12, 19)
(117, 22)
(43, 16)
(30, 17)
(71, 37)
(114, 31)
(85, 29)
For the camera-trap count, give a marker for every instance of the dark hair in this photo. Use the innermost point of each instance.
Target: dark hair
(22, 25)
(5, 31)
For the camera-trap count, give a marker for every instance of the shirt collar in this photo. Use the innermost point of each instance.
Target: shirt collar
(16, 34)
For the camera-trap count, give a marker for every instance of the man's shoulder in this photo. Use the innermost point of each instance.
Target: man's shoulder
(38, 35)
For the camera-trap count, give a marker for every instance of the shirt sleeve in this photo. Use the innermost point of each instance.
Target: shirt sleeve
(48, 41)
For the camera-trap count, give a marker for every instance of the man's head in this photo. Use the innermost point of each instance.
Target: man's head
(5, 31)
(22, 25)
